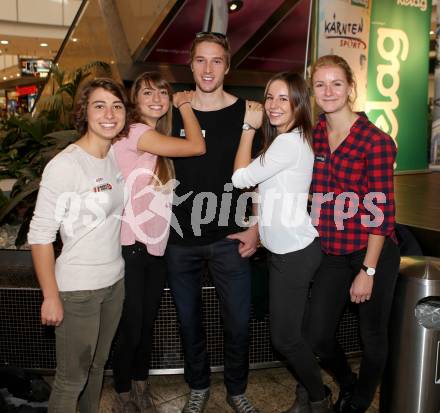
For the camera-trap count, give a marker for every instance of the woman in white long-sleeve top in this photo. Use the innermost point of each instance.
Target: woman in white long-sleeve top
(283, 173)
(82, 195)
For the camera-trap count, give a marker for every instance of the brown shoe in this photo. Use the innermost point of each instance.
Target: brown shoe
(123, 404)
(141, 395)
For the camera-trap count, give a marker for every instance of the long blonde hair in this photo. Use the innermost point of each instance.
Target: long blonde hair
(164, 169)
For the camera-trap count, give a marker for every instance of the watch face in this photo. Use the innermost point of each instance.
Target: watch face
(371, 271)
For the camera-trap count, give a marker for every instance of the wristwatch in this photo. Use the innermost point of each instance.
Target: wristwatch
(369, 270)
(246, 126)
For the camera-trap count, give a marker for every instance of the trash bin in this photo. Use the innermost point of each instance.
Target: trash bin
(411, 381)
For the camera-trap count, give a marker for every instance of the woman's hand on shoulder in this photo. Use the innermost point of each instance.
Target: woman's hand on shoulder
(254, 114)
(180, 98)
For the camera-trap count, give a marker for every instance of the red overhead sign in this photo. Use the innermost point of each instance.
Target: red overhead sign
(26, 90)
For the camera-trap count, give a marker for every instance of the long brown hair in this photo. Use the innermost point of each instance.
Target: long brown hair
(164, 169)
(299, 99)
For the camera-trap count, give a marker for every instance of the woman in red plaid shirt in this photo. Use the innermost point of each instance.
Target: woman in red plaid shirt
(353, 209)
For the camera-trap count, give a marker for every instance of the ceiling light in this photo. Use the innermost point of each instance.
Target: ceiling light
(74, 39)
(18, 74)
(44, 44)
(4, 41)
(432, 32)
(235, 5)
(4, 77)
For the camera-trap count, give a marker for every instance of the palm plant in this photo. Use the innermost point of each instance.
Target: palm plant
(28, 143)
(59, 103)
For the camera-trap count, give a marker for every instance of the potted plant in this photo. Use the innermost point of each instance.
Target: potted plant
(29, 142)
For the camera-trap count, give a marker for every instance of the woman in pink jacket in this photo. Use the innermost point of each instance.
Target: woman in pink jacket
(141, 156)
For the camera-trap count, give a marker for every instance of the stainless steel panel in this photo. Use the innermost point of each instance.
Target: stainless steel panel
(410, 383)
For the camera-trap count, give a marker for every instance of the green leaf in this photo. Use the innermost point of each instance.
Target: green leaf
(67, 136)
(27, 190)
(24, 228)
(3, 199)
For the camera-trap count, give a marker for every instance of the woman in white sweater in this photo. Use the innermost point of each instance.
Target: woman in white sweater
(82, 195)
(283, 173)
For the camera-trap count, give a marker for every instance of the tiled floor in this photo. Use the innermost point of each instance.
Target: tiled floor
(271, 390)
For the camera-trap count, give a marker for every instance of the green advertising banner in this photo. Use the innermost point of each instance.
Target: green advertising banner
(397, 91)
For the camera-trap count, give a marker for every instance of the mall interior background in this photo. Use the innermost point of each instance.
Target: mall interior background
(134, 35)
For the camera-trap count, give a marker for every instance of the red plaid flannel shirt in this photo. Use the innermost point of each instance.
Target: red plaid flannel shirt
(359, 173)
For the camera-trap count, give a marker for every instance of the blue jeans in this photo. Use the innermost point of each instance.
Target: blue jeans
(232, 278)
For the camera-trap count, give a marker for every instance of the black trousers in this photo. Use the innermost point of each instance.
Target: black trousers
(330, 294)
(145, 277)
(232, 279)
(290, 276)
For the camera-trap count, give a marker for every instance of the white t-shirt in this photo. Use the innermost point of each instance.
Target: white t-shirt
(83, 197)
(283, 181)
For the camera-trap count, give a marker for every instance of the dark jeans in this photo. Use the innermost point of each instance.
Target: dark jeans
(330, 294)
(145, 277)
(289, 284)
(232, 279)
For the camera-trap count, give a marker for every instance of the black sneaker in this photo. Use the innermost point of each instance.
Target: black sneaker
(241, 404)
(302, 401)
(351, 408)
(196, 402)
(345, 395)
(322, 406)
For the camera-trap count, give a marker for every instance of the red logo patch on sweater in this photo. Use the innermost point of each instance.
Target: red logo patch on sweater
(102, 187)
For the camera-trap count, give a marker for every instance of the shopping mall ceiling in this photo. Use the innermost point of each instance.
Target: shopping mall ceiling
(32, 30)
(265, 36)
